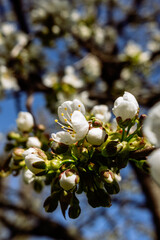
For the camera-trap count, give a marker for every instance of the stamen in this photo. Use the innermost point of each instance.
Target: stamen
(79, 105)
(62, 114)
(65, 119)
(65, 108)
(56, 120)
(64, 127)
(71, 114)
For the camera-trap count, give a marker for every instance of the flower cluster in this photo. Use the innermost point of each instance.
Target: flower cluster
(86, 155)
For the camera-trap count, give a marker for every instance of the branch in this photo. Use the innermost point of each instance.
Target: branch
(42, 227)
(141, 154)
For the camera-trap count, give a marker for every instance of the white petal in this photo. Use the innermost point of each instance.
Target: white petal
(80, 124)
(129, 97)
(78, 105)
(64, 137)
(29, 151)
(65, 111)
(67, 183)
(96, 136)
(125, 110)
(30, 160)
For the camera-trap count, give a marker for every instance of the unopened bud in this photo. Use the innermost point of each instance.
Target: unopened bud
(68, 179)
(96, 136)
(17, 153)
(13, 135)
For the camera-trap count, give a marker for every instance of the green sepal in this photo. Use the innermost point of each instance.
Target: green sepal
(65, 199)
(51, 202)
(112, 188)
(39, 165)
(98, 198)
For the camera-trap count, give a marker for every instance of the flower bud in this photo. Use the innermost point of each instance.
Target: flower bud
(17, 154)
(107, 176)
(68, 179)
(13, 135)
(33, 142)
(35, 160)
(125, 107)
(28, 176)
(96, 136)
(25, 121)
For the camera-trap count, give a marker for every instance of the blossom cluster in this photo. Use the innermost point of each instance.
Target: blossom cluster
(87, 154)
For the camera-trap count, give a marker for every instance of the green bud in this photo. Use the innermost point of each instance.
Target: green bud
(13, 135)
(17, 154)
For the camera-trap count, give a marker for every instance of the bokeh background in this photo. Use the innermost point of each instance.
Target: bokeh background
(93, 50)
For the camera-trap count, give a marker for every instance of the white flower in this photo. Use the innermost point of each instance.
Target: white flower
(7, 81)
(125, 107)
(67, 181)
(101, 112)
(25, 121)
(96, 136)
(28, 176)
(92, 66)
(117, 177)
(71, 78)
(154, 162)
(132, 49)
(33, 142)
(35, 156)
(71, 113)
(151, 128)
(50, 79)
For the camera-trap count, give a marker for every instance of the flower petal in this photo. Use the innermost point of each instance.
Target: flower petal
(65, 112)
(78, 105)
(80, 124)
(64, 137)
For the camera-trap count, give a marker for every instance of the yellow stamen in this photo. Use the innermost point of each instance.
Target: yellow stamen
(79, 105)
(56, 120)
(62, 127)
(65, 109)
(62, 114)
(71, 114)
(65, 119)
(68, 131)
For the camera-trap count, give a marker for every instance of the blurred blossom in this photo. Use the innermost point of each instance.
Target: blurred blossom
(50, 79)
(75, 16)
(92, 66)
(82, 31)
(101, 112)
(99, 35)
(71, 78)
(132, 49)
(8, 28)
(7, 81)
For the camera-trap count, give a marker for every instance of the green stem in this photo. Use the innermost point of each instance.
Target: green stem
(123, 135)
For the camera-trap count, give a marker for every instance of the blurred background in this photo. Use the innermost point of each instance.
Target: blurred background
(94, 50)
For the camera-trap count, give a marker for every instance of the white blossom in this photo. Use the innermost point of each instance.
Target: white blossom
(154, 162)
(7, 81)
(125, 107)
(67, 182)
(33, 142)
(132, 49)
(25, 121)
(96, 136)
(101, 112)
(71, 113)
(29, 176)
(151, 128)
(71, 78)
(50, 79)
(92, 66)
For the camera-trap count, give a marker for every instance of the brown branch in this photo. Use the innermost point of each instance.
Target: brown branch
(42, 227)
(141, 154)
